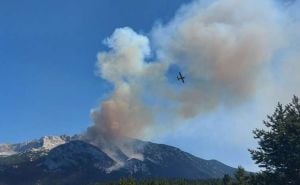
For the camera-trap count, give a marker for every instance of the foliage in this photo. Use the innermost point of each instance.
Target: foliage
(240, 176)
(226, 179)
(131, 181)
(279, 145)
(127, 182)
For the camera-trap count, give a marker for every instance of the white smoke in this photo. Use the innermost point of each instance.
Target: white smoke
(223, 48)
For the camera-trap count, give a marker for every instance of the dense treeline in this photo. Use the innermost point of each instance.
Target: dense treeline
(163, 182)
(278, 154)
(241, 177)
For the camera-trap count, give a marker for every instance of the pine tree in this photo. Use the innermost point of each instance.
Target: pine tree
(226, 179)
(241, 177)
(129, 181)
(279, 144)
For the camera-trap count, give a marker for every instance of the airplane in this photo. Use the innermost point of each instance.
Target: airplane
(180, 77)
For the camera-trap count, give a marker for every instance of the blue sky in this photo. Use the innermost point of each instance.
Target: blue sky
(47, 60)
(48, 84)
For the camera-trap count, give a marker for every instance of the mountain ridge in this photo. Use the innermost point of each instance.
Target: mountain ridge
(70, 160)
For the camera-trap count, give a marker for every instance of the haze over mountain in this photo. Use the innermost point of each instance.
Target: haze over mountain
(70, 160)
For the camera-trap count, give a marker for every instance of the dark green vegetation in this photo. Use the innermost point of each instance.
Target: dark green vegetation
(279, 145)
(240, 178)
(162, 182)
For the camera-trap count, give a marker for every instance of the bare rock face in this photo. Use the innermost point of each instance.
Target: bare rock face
(6, 149)
(49, 142)
(45, 143)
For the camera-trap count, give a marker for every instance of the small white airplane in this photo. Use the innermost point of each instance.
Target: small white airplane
(180, 77)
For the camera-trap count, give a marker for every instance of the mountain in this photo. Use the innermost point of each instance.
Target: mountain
(45, 143)
(69, 160)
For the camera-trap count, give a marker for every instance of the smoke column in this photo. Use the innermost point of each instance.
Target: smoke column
(222, 47)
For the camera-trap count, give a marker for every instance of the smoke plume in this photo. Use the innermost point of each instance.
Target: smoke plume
(222, 48)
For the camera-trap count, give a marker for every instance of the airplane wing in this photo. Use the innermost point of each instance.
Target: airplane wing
(180, 77)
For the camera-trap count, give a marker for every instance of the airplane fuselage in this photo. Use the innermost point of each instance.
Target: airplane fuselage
(180, 77)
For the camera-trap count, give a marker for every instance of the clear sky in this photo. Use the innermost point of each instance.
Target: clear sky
(48, 84)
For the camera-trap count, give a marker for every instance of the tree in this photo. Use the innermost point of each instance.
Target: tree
(240, 176)
(226, 179)
(129, 181)
(279, 144)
